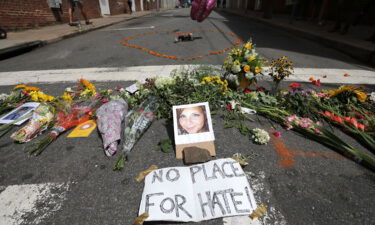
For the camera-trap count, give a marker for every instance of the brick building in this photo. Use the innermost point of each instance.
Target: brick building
(23, 14)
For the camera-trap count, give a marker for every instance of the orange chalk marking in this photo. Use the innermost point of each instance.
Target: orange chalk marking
(125, 40)
(286, 158)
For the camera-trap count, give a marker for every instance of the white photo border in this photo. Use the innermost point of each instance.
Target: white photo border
(193, 138)
(32, 105)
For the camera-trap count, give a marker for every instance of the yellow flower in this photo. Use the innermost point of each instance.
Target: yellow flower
(246, 68)
(257, 69)
(248, 45)
(28, 89)
(34, 96)
(67, 97)
(87, 84)
(361, 96)
(21, 86)
(251, 58)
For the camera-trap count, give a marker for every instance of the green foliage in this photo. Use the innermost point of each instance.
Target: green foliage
(165, 145)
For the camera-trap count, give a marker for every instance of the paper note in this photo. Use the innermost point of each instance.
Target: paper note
(205, 191)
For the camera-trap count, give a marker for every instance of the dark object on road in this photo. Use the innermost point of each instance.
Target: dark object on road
(3, 34)
(194, 155)
(184, 37)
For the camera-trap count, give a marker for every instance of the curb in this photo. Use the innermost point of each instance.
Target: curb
(360, 53)
(28, 46)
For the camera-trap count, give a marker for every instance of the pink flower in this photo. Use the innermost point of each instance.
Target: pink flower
(277, 134)
(319, 123)
(118, 88)
(104, 100)
(291, 118)
(229, 107)
(317, 131)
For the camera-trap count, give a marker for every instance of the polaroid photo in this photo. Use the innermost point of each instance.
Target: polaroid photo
(192, 123)
(19, 112)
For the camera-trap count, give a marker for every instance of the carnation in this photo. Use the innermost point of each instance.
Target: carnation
(260, 136)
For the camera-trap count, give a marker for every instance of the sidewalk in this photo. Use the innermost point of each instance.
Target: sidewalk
(22, 40)
(353, 43)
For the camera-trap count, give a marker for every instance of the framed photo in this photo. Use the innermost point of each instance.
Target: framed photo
(192, 123)
(19, 112)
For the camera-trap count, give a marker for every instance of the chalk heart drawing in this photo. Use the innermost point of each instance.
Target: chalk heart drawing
(126, 43)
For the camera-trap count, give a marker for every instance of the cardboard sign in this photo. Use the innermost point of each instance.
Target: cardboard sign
(205, 191)
(193, 127)
(83, 129)
(19, 112)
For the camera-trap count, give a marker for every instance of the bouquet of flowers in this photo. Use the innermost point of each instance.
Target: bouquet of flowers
(41, 119)
(109, 118)
(67, 118)
(243, 65)
(136, 123)
(279, 70)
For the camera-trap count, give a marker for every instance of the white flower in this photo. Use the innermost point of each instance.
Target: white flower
(249, 75)
(260, 136)
(236, 68)
(3, 96)
(232, 78)
(68, 89)
(233, 104)
(115, 97)
(161, 82)
(372, 97)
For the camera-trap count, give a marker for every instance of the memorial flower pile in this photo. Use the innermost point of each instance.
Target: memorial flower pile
(229, 93)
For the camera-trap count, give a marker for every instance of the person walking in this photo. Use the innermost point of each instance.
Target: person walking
(130, 3)
(72, 5)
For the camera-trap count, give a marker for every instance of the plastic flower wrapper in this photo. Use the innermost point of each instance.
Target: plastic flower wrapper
(66, 118)
(136, 123)
(40, 120)
(109, 118)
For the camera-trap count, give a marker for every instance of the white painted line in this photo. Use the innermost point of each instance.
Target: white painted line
(356, 76)
(130, 28)
(30, 203)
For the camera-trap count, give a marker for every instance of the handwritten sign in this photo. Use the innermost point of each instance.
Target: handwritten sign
(205, 191)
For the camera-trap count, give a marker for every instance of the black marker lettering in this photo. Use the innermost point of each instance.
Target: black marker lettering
(179, 205)
(163, 209)
(148, 204)
(159, 177)
(222, 167)
(193, 171)
(235, 203)
(235, 169)
(177, 175)
(217, 169)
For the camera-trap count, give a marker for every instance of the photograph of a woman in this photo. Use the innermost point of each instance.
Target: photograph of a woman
(192, 120)
(192, 123)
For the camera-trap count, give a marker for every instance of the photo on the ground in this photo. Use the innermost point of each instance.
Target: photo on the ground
(192, 123)
(18, 113)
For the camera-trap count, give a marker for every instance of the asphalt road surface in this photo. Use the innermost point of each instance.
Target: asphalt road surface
(72, 181)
